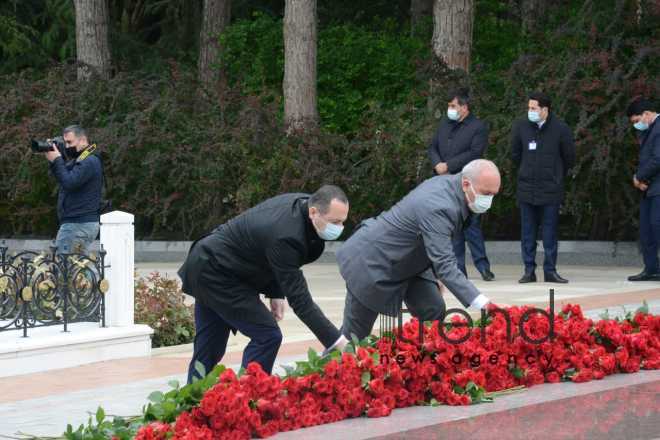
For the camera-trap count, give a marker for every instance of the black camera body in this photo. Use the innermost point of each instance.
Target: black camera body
(46, 146)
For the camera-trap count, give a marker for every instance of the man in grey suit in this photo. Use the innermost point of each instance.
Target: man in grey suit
(406, 253)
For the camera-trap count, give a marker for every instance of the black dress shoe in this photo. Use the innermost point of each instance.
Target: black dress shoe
(529, 277)
(487, 275)
(645, 276)
(553, 277)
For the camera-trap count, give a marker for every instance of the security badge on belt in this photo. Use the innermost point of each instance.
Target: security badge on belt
(532, 145)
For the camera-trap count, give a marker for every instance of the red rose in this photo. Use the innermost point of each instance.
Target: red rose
(331, 368)
(377, 408)
(584, 375)
(153, 431)
(552, 377)
(228, 376)
(322, 386)
(377, 386)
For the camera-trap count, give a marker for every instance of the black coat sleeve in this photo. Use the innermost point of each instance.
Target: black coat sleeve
(567, 148)
(475, 150)
(649, 169)
(273, 290)
(285, 259)
(434, 150)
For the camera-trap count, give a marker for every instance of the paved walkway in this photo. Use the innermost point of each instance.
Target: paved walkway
(43, 403)
(594, 287)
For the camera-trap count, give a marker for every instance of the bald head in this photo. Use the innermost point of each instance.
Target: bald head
(483, 176)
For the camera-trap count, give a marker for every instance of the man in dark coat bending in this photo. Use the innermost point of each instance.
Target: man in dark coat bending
(261, 252)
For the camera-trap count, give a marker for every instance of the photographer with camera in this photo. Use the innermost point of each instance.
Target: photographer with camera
(79, 172)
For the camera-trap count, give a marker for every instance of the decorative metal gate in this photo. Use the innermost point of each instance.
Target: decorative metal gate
(46, 289)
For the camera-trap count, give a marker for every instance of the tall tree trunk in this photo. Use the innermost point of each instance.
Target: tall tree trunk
(452, 32)
(419, 9)
(92, 45)
(532, 14)
(215, 18)
(300, 101)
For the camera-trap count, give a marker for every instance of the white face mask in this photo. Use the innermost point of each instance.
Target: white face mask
(452, 114)
(481, 204)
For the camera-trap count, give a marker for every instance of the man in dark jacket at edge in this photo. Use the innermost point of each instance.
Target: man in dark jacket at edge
(460, 139)
(543, 150)
(647, 180)
(261, 252)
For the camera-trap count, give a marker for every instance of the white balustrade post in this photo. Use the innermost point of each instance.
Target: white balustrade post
(118, 240)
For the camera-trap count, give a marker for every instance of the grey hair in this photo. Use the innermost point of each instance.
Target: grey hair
(474, 169)
(77, 130)
(322, 198)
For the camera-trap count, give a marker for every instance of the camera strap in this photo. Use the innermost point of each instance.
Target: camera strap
(85, 154)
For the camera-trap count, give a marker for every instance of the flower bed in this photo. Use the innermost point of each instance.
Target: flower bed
(375, 376)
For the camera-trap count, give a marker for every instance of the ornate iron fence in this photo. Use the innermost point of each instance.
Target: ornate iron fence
(46, 289)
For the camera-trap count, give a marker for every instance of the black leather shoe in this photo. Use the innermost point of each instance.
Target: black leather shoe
(529, 277)
(554, 277)
(487, 275)
(645, 276)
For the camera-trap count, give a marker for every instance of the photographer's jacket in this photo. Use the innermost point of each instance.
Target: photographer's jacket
(80, 187)
(458, 143)
(260, 251)
(649, 159)
(543, 156)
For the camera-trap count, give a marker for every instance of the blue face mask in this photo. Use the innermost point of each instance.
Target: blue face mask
(641, 126)
(452, 114)
(331, 232)
(534, 116)
(482, 202)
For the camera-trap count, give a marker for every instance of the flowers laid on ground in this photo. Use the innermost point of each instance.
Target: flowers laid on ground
(453, 364)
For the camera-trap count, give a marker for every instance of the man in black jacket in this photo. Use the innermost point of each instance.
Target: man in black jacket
(80, 178)
(647, 180)
(543, 150)
(460, 139)
(261, 252)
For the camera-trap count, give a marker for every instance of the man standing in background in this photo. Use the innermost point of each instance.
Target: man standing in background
(460, 139)
(647, 180)
(543, 150)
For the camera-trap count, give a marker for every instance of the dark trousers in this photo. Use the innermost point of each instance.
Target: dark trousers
(475, 239)
(212, 334)
(422, 298)
(547, 217)
(649, 232)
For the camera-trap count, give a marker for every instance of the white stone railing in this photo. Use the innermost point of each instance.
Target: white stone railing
(49, 348)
